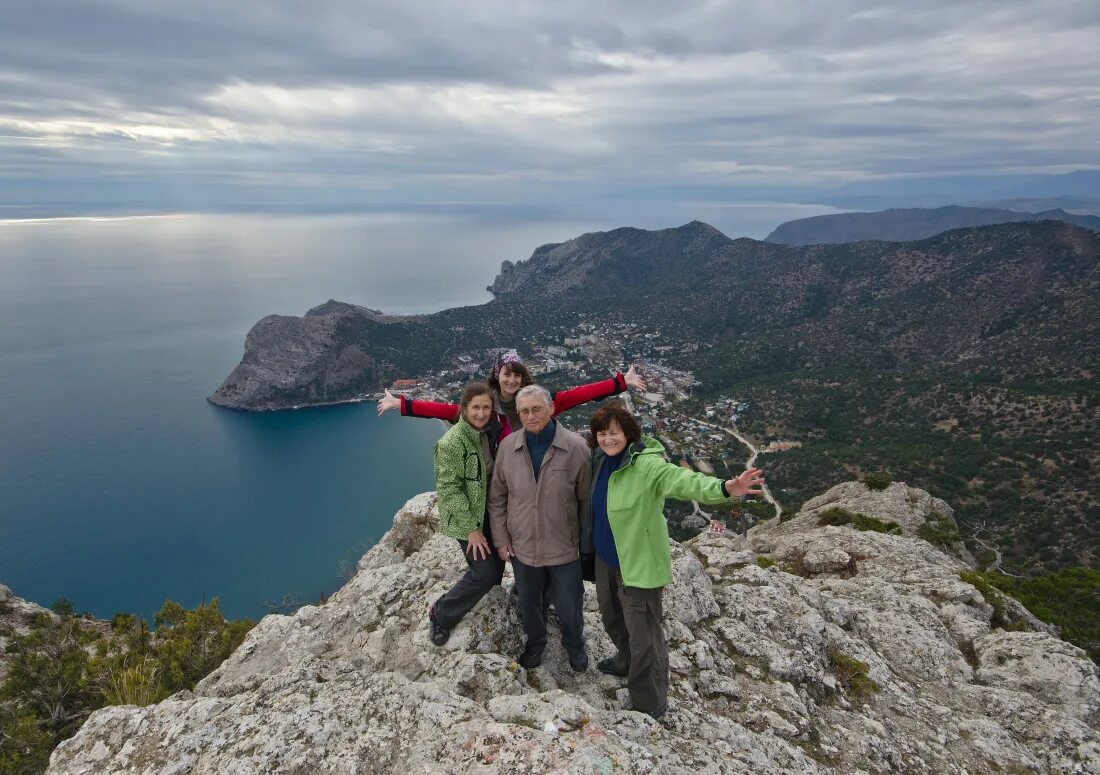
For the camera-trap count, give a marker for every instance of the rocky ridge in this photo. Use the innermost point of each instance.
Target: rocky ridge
(908, 224)
(796, 648)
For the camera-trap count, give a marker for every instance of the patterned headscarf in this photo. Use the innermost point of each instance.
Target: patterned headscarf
(506, 357)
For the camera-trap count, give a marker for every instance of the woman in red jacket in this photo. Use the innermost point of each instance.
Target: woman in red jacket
(507, 377)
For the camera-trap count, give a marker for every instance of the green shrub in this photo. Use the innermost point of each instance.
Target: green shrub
(134, 684)
(991, 595)
(838, 516)
(63, 607)
(1001, 617)
(879, 480)
(62, 670)
(852, 674)
(938, 530)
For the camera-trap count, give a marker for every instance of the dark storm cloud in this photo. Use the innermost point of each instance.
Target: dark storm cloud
(505, 97)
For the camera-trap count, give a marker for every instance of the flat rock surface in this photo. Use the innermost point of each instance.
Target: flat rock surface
(762, 661)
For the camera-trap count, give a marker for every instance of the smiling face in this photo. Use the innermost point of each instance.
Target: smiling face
(510, 382)
(478, 411)
(534, 413)
(611, 440)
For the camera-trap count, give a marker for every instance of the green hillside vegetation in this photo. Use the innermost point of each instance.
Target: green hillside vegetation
(65, 667)
(1068, 598)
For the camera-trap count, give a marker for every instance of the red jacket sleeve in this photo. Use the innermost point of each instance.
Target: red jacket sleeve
(429, 409)
(564, 400)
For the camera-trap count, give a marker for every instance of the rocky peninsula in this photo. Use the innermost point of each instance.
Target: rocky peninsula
(797, 648)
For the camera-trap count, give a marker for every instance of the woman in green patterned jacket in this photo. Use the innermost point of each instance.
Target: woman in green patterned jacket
(463, 468)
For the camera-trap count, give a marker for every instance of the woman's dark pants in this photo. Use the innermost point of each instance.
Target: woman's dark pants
(632, 617)
(481, 576)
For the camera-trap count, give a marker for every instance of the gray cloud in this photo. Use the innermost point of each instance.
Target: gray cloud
(533, 99)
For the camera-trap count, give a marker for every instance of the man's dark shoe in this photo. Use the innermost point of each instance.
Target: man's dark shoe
(614, 666)
(530, 659)
(436, 631)
(578, 661)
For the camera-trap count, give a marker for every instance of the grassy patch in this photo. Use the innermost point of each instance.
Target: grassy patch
(852, 674)
(838, 516)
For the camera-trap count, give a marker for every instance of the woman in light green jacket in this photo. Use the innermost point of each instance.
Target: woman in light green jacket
(463, 467)
(629, 535)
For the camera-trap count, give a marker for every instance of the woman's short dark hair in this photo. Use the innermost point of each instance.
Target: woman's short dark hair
(614, 411)
(472, 391)
(525, 377)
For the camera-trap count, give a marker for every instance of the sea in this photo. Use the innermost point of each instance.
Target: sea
(121, 487)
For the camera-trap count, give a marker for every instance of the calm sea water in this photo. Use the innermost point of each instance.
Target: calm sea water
(121, 487)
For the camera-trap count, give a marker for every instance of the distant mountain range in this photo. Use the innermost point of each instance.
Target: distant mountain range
(906, 225)
(1077, 190)
(965, 363)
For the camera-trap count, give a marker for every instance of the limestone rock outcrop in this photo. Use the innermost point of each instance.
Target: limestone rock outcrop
(882, 662)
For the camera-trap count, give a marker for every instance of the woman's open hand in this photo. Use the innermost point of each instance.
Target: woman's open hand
(751, 482)
(633, 379)
(388, 402)
(477, 545)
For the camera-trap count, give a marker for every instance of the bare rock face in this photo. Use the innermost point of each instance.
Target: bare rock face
(885, 662)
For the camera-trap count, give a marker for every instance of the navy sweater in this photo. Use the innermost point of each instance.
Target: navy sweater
(539, 443)
(601, 525)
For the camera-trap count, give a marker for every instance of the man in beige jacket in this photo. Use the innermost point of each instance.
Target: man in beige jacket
(540, 489)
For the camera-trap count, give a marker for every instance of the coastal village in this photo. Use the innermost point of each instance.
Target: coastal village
(696, 435)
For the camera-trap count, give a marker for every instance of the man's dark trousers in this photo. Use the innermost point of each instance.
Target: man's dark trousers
(566, 592)
(481, 576)
(632, 617)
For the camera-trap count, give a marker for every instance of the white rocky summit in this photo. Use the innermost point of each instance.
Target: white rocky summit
(856, 652)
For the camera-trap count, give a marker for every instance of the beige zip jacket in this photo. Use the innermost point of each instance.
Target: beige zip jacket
(540, 520)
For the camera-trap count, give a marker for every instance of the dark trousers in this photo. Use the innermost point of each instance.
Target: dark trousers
(480, 577)
(566, 592)
(632, 618)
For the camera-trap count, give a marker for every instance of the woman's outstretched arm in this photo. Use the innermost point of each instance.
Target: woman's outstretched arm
(565, 400)
(416, 408)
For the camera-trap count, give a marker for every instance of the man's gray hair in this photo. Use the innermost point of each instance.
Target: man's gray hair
(533, 391)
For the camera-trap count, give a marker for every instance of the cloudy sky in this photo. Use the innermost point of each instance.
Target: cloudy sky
(196, 103)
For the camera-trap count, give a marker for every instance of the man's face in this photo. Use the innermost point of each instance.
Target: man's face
(534, 413)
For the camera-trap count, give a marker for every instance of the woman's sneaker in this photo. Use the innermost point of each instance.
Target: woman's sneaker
(436, 631)
(530, 659)
(614, 666)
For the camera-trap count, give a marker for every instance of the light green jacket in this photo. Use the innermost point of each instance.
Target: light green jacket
(461, 481)
(636, 510)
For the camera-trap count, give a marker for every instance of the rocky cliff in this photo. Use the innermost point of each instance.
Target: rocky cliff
(795, 649)
(311, 359)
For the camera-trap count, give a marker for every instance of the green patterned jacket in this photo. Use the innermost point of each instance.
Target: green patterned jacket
(461, 481)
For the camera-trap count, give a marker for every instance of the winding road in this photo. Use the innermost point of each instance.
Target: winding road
(754, 452)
